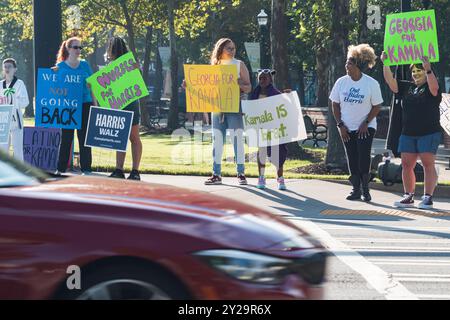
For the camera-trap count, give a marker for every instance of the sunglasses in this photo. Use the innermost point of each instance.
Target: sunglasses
(230, 49)
(76, 47)
(268, 71)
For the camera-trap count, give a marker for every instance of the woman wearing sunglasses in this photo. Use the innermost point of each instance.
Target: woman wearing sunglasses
(277, 154)
(13, 92)
(69, 60)
(224, 54)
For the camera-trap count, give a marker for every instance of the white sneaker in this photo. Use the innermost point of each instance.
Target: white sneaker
(426, 203)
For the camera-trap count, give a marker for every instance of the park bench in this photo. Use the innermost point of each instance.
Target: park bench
(315, 132)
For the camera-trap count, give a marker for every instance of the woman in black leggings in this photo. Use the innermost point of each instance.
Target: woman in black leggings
(356, 101)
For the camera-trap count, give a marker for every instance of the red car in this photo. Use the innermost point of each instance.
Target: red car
(135, 240)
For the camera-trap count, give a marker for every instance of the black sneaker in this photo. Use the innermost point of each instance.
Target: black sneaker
(242, 180)
(406, 202)
(117, 174)
(214, 180)
(134, 175)
(354, 195)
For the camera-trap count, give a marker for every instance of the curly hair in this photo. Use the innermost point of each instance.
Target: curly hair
(363, 55)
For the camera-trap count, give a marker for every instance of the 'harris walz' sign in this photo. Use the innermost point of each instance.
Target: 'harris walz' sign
(41, 147)
(59, 99)
(109, 129)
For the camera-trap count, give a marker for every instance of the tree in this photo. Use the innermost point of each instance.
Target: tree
(278, 39)
(340, 29)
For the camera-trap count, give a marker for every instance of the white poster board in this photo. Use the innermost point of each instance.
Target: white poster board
(273, 121)
(5, 123)
(445, 112)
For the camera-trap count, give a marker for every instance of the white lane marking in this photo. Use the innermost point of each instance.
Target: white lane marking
(382, 228)
(424, 264)
(421, 279)
(395, 249)
(409, 260)
(419, 275)
(389, 240)
(434, 296)
(381, 281)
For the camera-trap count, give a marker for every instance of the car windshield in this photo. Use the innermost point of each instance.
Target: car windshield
(14, 173)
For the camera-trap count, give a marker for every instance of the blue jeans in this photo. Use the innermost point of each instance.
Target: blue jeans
(421, 144)
(233, 122)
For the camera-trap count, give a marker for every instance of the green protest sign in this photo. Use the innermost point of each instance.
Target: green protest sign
(410, 36)
(118, 84)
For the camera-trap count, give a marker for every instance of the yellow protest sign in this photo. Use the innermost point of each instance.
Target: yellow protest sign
(212, 88)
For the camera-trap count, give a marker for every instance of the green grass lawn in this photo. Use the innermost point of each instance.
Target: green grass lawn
(163, 154)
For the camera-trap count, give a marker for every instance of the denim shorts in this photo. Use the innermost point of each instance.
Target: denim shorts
(421, 144)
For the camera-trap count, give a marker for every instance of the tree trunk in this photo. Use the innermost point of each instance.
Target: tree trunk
(322, 68)
(278, 39)
(146, 75)
(173, 112)
(336, 158)
(129, 28)
(301, 83)
(159, 78)
(362, 22)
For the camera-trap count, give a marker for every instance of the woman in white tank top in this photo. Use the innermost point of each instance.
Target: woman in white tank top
(224, 52)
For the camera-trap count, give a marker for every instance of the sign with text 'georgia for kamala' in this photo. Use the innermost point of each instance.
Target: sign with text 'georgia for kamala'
(109, 129)
(5, 123)
(212, 88)
(41, 147)
(410, 36)
(273, 121)
(118, 84)
(59, 99)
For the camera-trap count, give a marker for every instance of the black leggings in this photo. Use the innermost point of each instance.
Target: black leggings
(358, 152)
(67, 140)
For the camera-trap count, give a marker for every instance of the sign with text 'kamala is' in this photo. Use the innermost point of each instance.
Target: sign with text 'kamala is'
(445, 112)
(274, 120)
(212, 88)
(410, 36)
(5, 123)
(109, 129)
(118, 84)
(59, 99)
(41, 147)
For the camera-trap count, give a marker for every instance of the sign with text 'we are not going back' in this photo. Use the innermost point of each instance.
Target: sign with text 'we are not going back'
(109, 129)
(59, 99)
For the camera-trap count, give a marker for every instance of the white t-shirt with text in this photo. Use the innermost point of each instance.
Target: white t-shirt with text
(356, 99)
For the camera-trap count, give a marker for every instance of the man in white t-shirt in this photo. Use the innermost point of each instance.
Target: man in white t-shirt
(357, 100)
(13, 92)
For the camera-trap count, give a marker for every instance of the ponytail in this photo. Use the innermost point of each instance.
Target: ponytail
(63, 52)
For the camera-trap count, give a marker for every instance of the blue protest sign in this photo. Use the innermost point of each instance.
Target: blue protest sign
(5, 123)
(59, 99)
(41, 147)
(108, 128)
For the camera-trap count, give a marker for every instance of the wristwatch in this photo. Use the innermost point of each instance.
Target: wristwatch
(340, 124)
(429, 71)
(367, 121)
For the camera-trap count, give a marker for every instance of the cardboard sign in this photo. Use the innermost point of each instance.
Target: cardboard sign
(5, 123)
(109, 129)
(445, 112)
(254, 55)
(59, 99)
(273, 121)
(41, 147)
(410, 36)
(212, 88)
(118, 84)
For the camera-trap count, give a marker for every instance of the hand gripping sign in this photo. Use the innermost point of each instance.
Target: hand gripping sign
(273, 121)
(410, 36)
(118, 84)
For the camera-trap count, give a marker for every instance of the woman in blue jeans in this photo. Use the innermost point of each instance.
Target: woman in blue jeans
(421, 130)
(223, 54)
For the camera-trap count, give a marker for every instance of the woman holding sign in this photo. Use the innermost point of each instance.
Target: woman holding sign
(421, 130)
(69, 60)
(357, 101)
(223, 54)
(13, 92)
(276, 154)
(117, 48)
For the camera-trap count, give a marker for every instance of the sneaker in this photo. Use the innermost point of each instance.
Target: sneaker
(86, 173)
(242, 180)
(58, 173)
(406, 202)
(214, 180)
(261, 183)
(117, 174)
(354, 195)
(134, 175)
(281, 184)
(426, 203)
